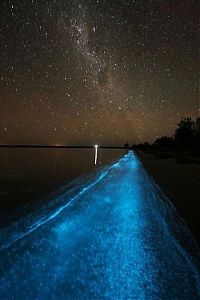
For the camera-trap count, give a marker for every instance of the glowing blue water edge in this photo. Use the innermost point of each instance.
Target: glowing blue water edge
(118, 237)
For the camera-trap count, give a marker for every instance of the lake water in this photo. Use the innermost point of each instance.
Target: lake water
(33, 177)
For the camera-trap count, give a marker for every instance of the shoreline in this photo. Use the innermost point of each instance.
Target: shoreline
(180, 183)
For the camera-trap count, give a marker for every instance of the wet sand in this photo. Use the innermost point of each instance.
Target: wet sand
(181, 183)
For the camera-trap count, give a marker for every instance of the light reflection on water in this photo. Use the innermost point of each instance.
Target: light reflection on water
(26, 175)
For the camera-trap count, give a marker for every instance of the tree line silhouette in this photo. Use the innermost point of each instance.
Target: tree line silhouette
(183, 145)
(187, 133)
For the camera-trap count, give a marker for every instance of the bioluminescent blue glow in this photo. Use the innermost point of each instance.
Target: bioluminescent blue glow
(120, 239)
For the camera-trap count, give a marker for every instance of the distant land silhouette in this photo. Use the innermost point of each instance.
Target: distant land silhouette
(57, 146)
(183, 146)
(186, 134)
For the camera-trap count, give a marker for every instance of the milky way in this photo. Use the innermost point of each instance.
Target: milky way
(84, 72)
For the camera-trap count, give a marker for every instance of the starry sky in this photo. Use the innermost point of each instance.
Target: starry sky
(96, 71)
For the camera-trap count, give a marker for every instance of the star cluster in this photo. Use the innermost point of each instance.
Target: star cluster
(87, 71)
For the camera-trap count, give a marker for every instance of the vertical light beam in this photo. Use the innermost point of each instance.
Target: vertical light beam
(95, 155)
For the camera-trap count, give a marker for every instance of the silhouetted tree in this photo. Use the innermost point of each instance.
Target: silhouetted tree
(184, 133)
(196, 131)
(146, 144)
(126, 145)
(164, 141)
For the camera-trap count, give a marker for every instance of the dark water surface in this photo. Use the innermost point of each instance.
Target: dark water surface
(30, 176)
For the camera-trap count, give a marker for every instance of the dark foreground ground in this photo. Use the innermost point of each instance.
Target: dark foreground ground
(180, 181)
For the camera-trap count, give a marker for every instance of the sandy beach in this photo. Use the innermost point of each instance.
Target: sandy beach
(180, 183)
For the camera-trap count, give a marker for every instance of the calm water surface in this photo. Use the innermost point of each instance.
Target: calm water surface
(29, 177)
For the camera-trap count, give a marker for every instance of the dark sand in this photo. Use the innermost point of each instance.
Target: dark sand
(181, 184)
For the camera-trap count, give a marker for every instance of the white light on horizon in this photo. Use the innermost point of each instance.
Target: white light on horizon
(95, 155)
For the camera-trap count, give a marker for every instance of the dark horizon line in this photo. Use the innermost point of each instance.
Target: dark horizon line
(58, 146)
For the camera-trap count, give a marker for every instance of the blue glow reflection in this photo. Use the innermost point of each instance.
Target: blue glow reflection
(118, 238)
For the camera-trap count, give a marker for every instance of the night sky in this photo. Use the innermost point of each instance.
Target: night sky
(98, 71)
